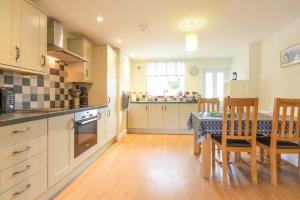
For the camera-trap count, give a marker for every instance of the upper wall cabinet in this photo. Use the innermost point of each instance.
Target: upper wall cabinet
(81, 71)
(23, 36)
(10, 12)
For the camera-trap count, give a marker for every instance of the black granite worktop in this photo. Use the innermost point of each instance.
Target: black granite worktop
(36, 114)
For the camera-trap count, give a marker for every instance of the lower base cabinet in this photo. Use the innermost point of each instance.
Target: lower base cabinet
(107, 126)
(60, 147)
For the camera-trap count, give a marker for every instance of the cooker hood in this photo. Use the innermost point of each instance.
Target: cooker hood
(55, 46)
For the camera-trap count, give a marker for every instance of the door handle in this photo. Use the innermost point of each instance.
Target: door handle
(146, 108)
(99, 116)
(21, 131)
(108, 113)
(21, 171)
(165, 108)
(22, 150)
(43, 60)
(18, 193)
(86, 73)
(17, 53)
(108, 100)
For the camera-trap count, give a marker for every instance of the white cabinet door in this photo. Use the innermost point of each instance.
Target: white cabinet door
(171, 116)
(101, 128)
(185, 112)
(112, 78)
(156, 116)
(138, 115)
(33, 49)
(10, 16)
(111, 118)
(60, 147)
(88, 66)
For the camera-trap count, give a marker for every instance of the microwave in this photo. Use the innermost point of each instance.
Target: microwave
(7, 100)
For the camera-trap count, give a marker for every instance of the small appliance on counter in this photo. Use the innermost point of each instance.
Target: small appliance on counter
(83, 96)
(75, 94)
(7, 100)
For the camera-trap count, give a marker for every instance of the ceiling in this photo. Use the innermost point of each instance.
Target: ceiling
(230, 24)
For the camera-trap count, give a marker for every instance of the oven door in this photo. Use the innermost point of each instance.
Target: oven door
(85, 135)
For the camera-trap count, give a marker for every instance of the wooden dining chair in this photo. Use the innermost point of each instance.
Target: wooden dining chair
(239, 129)
(208, 105)
(285, 136)
(205, 105)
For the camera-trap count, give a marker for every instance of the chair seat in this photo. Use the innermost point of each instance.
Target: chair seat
(231, 143)
(280, 144)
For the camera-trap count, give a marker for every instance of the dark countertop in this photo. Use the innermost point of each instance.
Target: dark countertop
(25, 116)
(153, 102)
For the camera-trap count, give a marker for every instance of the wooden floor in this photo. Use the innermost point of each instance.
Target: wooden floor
(163, 167)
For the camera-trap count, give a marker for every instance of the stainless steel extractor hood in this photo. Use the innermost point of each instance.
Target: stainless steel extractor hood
(55, 47)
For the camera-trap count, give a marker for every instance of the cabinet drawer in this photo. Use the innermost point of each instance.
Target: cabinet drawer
(21, 171)
(29, 189)
(16, 133)
(16, 153)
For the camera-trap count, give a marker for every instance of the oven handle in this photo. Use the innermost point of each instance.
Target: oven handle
(87, 121)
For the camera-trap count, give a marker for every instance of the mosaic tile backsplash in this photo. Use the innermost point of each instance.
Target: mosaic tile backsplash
(39, 91)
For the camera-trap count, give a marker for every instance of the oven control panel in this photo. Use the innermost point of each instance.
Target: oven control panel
(85, 115)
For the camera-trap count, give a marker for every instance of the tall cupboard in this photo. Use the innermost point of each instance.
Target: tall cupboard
(104, 88)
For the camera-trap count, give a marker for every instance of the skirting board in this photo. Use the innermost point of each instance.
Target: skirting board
(160, 131)
(122, 134)
(58, 187)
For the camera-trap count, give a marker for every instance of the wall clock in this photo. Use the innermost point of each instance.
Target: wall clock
(193, 70)
(139, 67)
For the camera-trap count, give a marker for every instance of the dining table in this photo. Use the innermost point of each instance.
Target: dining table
(205, 124)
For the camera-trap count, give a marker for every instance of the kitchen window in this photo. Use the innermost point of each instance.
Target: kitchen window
(214, 83)
(165, 78)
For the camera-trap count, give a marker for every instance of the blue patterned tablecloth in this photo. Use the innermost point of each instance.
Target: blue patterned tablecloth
(204, 123)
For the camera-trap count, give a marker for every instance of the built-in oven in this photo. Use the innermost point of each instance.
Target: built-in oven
(85, 131)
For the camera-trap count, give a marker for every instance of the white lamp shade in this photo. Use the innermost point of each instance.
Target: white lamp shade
(191, 42)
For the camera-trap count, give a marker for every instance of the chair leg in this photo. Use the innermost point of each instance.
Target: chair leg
(273, 167)
(299, 165)
(213, 154)
(196, 146)
(278, 161)
(253, 167)
(262, 155)
(224, 165)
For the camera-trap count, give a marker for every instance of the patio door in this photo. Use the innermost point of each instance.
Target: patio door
(214, 82)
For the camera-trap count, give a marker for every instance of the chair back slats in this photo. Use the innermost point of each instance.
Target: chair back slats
(208, 105)
(285, 120)
(247, 122)
(243, 111)
(232, 116)
(240, 119)
(291, 123)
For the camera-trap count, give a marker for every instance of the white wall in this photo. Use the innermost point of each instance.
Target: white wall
(192, 83)
(275, 81)
(240, 63)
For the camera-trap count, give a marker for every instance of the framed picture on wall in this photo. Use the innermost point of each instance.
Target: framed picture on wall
(290, 56)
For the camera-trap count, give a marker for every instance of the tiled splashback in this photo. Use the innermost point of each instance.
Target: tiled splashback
(143, 96)
(38, 91)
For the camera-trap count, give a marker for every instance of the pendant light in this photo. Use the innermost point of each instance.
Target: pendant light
(191, 42)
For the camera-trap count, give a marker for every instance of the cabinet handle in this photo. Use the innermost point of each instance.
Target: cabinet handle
(146, 108)
(165, 108)
(99, 116)
(18, 193)
(162, 108)
(108, 100)
(86, 72)
(22, 150)
(21, 171)
(108, 113)
(43, 60)
(72, 124)
(17, 53)
(21, 131)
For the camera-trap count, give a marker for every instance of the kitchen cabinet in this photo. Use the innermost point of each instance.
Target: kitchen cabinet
(138, 116)
(102, 136)
(33, 47)
(10, 16)
(159, 117)
(171, 116)
(24, 36)
(60, 147)
(185, 112)
(81, 71)
(156, 116)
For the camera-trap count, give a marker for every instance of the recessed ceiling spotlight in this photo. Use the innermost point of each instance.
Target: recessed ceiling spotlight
(119, 41)
(99, 19)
